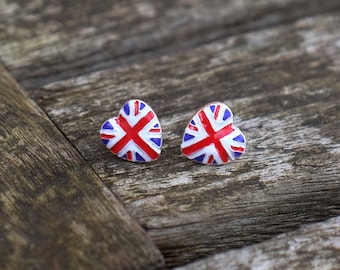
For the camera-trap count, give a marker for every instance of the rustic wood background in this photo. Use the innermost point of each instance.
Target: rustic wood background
(67, 203)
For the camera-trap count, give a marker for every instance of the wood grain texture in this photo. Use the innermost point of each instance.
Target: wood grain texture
(55, 213)
(282, 84)
(43, 41)
(312, 247)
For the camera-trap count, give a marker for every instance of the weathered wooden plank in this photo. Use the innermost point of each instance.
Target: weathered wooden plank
(282, 84)
(314, 246)
(54, 211)
(43, 42)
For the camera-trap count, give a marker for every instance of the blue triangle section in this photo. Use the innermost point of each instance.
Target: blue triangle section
(188, 137)
(105, 141)
(237, 154)
(127, 108)
(200, 158)
(139, 157)
(239, 138)
(212, 108)
(107, 125)
(193, 122)
(141, 106)
(156, 126)
(157, 141)
(214, 162)
(227, 114)
(124, 157)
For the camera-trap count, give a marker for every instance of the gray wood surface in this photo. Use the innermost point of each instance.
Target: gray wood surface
(43, 41)
(55, 213)
(275, 63)
(282, 84)
(313, 247)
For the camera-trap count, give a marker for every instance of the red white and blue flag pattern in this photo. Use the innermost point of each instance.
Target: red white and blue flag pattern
(211, 138)
(135, 135)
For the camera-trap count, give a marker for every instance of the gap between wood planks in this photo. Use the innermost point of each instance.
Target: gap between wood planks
(312, 247)
(55, 212)
(101, 57)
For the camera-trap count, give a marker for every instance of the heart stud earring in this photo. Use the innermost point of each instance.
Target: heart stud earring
(135, 135)
(211, 138)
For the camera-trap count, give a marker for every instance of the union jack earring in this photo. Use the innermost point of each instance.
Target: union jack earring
(135, 135)
(211, 138)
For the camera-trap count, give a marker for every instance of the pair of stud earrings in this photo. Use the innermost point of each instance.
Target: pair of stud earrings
(209, 138)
